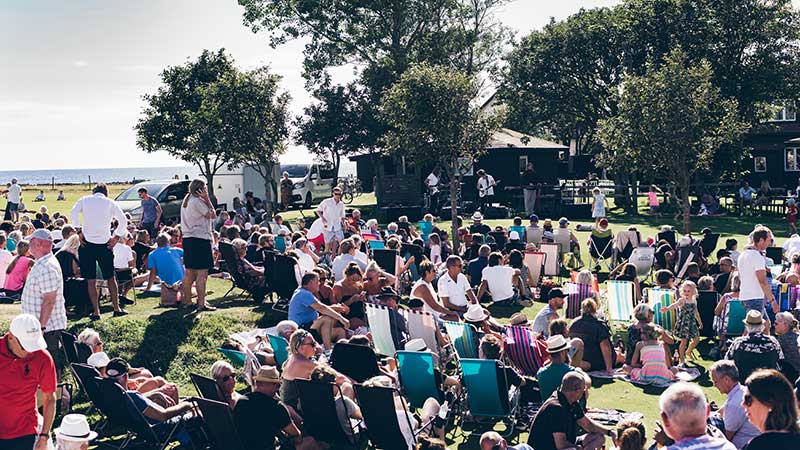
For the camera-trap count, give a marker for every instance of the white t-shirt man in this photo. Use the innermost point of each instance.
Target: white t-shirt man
(499, 280)
(486, 184)
(454, 290)
(333, 212)
(122, 256)
(433, 183)
(14, 193)
(750, 261)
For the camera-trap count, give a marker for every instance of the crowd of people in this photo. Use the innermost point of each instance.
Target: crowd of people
(335, 275)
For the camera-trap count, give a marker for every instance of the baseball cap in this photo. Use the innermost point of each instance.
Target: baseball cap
(556, 292)
(43, 234)
(28, 331)
(533, 218)
(563, 221)
(117, 367)
(514, 236)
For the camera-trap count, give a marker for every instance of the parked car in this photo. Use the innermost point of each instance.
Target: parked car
(312, 182)
(169, 194)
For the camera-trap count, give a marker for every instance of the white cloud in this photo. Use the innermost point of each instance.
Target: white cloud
(80, 63)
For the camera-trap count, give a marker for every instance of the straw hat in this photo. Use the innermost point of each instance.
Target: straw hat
(754, 318)
(556, 344)
(477, 216)
(268, 374)
(75, 428)
(475, 313)
(519, 319)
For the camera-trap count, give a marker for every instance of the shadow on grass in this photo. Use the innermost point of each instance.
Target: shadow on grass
(162, 337)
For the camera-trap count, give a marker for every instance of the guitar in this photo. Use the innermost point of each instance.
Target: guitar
(482, 191)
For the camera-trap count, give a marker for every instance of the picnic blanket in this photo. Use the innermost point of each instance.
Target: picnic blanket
(684, 374)
(249, 336)
(611, 417)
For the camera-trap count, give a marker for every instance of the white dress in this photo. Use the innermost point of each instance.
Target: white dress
(599, 209)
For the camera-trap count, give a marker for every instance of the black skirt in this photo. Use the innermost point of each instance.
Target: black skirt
(197, 254)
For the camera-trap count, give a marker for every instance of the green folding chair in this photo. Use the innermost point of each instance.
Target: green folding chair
(417, 377)
(482, 387)
(462, 335)
(658, 298)
(425, 229)
(280, 349)
(236, 357)
(736, 315)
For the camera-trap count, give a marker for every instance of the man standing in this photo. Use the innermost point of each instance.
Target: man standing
(432, 183)
(555, 425)
(754, 288)
(97, 243)
(287, 187)
(151, 213)
(14, 197)
(25, 367)
(331, 211)
(531, 189)
(738, 429)
(486, 184)
(43, 295)
(454, 288)
(684, 412)
(541, 323)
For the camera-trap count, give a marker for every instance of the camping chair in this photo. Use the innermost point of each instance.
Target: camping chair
(282, 281)
(462, 335)
(386, 259)
(561, 236)
(576, 293)
(535, 261)
(482, 386)
(601, 250)
(219, 424)
(122, 412)
(552, 262)
(70, 349)
(85, 376)
(669, 236)
(658, 298)
(422, 325)
(280, 244)
(409, 250)
(280, 349)
(382, 422)
(708, 244)
(736, 313)
(624, 243)
(236, 357)
(320, 417)
(206, 387)
(643, 258)
(706, 302)
(783, 295)
(358, 362)
(417, 378)
(230, 257)
(621, 298)
(380, 328)
(376, 245)
(775, 254)
(425, 229)
(684, 256)
(525, 352)
(533, 235)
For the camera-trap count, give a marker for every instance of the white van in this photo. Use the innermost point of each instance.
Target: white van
(312, 182)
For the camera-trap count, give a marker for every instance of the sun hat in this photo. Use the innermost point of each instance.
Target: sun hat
(117, 367)
(268, 374)
(514, 236)
(556, 292)
(477, 216)
(533, 218)
(75, 428)
(43, 234)
(563, 221)
(518, 319)
(28, 331)
(475, 313)
(416, 345)
(98, 360)
(556, 344)
(387, 292)
(754, 318)
(603, 223)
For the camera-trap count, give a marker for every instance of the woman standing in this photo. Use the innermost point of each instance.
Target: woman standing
(197, 217)
(771, 406)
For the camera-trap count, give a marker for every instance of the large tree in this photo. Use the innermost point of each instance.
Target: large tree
(432, 117)
(255, 114)
(172, 122)
(672, 121)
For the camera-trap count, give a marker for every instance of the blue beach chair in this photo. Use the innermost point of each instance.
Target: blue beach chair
(417, 378)
(482, 385)
(462, 335)
(280, 349)
(236, 357)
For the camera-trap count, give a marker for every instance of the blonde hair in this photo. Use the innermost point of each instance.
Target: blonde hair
(195, 187)
(589, 307)
(691, 285)
(71, 244)
(584, 277)
(22, 248)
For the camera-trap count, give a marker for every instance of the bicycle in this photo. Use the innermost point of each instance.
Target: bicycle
(351, 188)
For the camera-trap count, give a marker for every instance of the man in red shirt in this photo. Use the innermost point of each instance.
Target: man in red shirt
(25, 366)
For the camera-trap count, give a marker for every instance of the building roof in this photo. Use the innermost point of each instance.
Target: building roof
(793, 141)
(505, 138)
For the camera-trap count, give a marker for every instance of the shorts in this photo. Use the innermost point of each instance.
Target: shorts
(329, 236)
(12, 206)
(91, 256)
(757, 305)
(197, 254)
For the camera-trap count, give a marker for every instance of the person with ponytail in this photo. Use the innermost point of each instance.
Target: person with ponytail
(630, 435)
(17, 270)
(197, 222)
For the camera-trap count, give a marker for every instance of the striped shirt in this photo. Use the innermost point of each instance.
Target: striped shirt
(704, 442)
(45, 276)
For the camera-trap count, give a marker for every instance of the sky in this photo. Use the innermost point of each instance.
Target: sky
(73, 72)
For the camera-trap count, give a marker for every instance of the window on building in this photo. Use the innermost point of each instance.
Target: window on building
(784, 112)
(523, 163)
(790, 163)
(760, 163)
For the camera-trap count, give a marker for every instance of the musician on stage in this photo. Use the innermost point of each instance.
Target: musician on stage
(432, 184)
(531, 189)
(486, 184)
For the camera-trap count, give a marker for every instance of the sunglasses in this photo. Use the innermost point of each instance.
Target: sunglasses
(337, 194)
(748, 400)
(226, 378)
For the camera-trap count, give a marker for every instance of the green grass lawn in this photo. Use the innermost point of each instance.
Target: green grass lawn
(174, 342)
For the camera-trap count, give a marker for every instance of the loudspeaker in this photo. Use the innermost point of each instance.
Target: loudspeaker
(495, 212)
(391, 213)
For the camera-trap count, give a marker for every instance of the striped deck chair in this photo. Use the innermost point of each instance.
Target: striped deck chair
(535, 261)
(462, 335)
(576, 293)
(620, 300)
(658, 298)
(573, 275)
(783, 295)
(381, 329)
(526, 352)
(422, 325)
(794, 296)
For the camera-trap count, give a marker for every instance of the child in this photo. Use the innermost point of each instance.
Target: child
(630, 435)
(652, 200)
(791, 215)
(730, 246)
(688, 325)
(599, 206)
(231, 218)
(651, 360)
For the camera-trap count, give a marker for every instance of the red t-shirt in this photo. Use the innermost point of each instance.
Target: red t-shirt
(19, 379)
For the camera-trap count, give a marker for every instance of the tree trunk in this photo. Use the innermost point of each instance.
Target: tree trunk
(454, 185)
(208, 174)
(337, 161)
(634, 194)
(686, 204)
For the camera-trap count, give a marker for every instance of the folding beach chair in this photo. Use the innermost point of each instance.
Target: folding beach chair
(706, 303)
(417, 378)
(576, 293)
(535, 261)
(219, 425)
(358, 362)
(621, 298)
(425, 229)
(283, 281)
(708, 244)
(736, 313)
(525, 352)
(643, 258)
(238, 281)
(236, 358)
(658, 298)
(386, 259)
(561, 236)
(669, 236)
(534, 235)
(462, 335)
(320, 416)
(206, 387)
(684, 256)
(552, 262)
(783, 295)
(376, 245)
(380, 417)
(601, 250)
(422, 325)
(483, 385)
(624, 243)
(280, 244)
(280, 349)
(381, 329)
(573, 275)
(68, 343)
(85, 376)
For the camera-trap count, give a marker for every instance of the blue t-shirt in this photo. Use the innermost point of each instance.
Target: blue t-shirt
(149, 210)
(300, 310)
(475, 270)
(141, 403)
(168, 264)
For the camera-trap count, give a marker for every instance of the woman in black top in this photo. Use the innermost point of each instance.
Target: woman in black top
(142, 248)
(771, 406)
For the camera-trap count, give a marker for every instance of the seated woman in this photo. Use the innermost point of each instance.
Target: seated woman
(627, 272)
(599, 353)
(651, 361)
(350, 292)
(325, 292)
(346, 408)
(253, 276)
(423, 290)
(516, 261)
(401, 265)
(18, 269)
(575, 352)
(722, 311)
(225, 377)
(375, 279)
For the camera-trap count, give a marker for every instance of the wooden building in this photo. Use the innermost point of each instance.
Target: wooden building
(776, 149)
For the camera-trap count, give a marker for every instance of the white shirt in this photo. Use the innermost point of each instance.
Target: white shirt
(194, 223)
(455, 291)
(436, 254)
(14, 193)
(333, 212)
(45, 277)
(425, 307)
(735, 418)
(791, 246)
(433, 182)
(306, 261)
(750, 261)
(98, 210)
(486, 184)
(5, 260)
(122, 256)
(499, 280)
